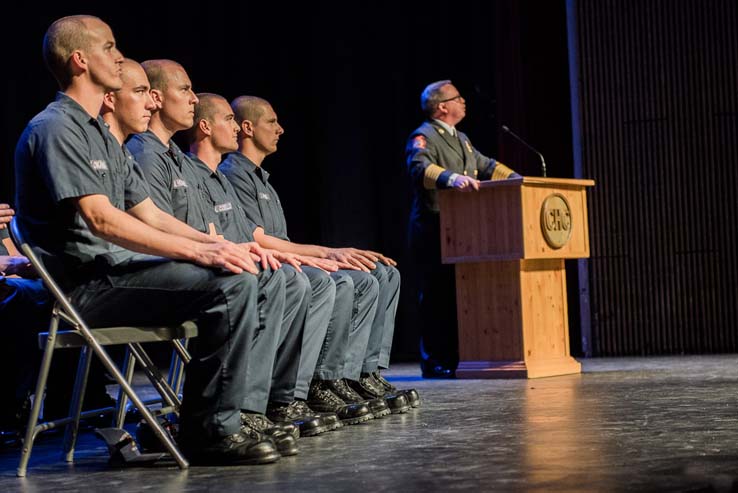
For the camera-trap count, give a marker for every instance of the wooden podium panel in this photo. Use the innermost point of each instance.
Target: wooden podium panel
(510, 279)
(502, 221)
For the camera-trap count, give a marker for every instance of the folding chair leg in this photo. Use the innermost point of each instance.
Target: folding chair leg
(43, 374)
(184, 358)
(156, 378)
(75, 409)
(145, 413)
(129, 365)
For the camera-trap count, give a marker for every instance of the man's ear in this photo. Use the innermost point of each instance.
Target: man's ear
(78, 61)
(157, 96)
(247, 127)
(204, 126)
(109, 100)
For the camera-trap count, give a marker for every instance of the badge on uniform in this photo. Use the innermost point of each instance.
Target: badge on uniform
(419, 142)
(468, 146)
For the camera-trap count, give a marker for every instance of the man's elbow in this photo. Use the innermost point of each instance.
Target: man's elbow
(100, 223)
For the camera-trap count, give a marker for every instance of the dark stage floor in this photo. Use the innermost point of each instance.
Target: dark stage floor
(627, 424)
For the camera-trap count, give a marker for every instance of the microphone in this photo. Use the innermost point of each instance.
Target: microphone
(520, 139)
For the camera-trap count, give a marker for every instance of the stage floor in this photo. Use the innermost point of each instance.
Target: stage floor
(625, 424)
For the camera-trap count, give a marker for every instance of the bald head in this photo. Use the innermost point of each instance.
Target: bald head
(159, 71)
(249, 108)
(208, 105)
(205, 109)
(131, 71)
(62, 39)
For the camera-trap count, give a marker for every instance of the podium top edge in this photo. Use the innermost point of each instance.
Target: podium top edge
(537, 180)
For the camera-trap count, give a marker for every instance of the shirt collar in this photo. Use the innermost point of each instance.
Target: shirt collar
(249, 165)
(75, 110)
(200, 163)
(451, 130)
(149, 140)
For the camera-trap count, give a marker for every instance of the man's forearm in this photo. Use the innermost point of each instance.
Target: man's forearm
(275, 243)
(128, 231)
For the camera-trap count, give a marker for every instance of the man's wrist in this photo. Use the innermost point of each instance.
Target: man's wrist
(452, 180)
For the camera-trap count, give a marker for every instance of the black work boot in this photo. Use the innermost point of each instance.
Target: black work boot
(285, 441)
(412, 395)
(294, 412)
(245, 447)
(368, 387)
(342, 389)
(330, 419)
(321, 398)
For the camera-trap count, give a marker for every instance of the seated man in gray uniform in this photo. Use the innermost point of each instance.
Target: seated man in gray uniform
(127, 111)
(83, 203)
(215, 133)
(176, 188)
(368, 348)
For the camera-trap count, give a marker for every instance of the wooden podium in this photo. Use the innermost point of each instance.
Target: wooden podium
(509, 242)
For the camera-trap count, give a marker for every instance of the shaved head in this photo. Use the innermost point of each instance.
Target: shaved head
(249, 108)
(64, 37)
(206, 108)
(130, 68)
(158, 72)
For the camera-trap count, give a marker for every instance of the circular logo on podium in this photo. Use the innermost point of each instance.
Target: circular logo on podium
(556, 220)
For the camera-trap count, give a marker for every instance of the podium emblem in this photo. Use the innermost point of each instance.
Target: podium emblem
(556, 220)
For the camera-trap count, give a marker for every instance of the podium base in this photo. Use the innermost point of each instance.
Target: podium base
(519, 369)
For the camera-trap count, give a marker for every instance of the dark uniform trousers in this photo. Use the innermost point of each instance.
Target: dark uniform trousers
(360, 310)
(436, 301)
(318, 330)
(267, 337)
(167, 292)
(383, 327)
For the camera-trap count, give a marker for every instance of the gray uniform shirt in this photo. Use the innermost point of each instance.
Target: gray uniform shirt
(258, 198)
(171, 179)
(221, 198)
(65, 153)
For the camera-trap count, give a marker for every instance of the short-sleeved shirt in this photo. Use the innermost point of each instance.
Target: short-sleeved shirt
(65, 153)
(220, 197)
(258, 198)
(172, 183)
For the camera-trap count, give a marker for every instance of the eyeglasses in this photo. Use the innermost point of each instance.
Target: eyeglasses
(458, 96)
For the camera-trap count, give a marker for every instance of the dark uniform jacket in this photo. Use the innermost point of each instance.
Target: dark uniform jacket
(433, 155)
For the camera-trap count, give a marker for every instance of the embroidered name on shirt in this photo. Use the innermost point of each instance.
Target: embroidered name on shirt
(99, 164)
(223, 207)
(264, 196)
(179, 183)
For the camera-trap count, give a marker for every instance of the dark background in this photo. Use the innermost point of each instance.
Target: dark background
(655, 124)
(345, 80)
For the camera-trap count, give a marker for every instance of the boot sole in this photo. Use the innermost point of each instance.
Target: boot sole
(401, 410)
(314, 431)
(288, 451)
(381, 414)
(360, 419)
(337, 426)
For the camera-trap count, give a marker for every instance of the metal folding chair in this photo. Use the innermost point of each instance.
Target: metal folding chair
(92, 341)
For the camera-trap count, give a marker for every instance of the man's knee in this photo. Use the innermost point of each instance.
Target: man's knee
(297, 284)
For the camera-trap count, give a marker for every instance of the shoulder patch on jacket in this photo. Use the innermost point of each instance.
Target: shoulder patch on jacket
(419, 142)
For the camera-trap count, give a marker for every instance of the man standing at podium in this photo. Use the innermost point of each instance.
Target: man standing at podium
(439, 157)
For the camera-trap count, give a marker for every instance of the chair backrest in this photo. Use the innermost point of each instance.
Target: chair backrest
(68, 311)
